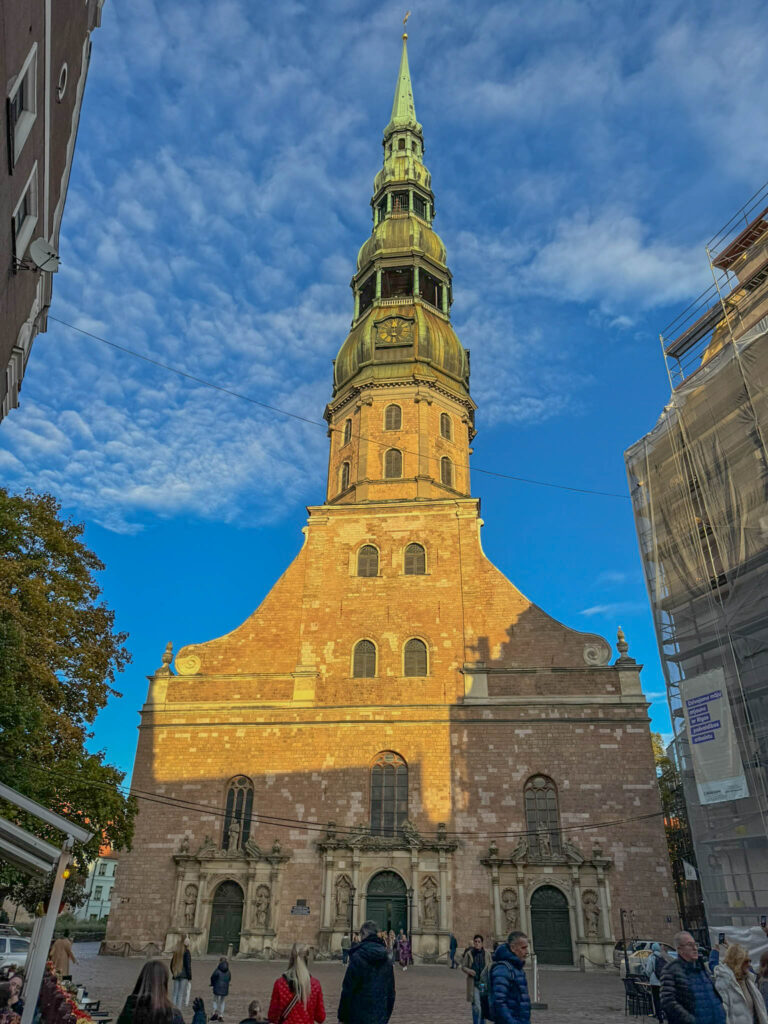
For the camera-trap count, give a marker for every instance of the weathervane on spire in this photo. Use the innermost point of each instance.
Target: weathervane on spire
(405, 19)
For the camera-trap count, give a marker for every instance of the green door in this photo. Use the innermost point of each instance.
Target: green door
(387, 902)
(551, 926)
(226, 918)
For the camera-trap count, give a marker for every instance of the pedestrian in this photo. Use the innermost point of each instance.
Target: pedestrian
(475, 960)
(254, 1014)
(15, 1002)
(391, 943)
(741, 997)
(368, 989)
(220, 980)
(297, 997)
(7, 1015)
(762, 976)
(404, 952)
(508, 996)
(181, 972)
(453, 944)
(61, 954)
(346, 942)
(654, 967)
(688, 994)
(149, 1002)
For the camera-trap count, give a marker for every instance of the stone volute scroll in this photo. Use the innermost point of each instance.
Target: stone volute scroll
(590, 903)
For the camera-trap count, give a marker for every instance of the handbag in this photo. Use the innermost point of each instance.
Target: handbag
(288, 1009)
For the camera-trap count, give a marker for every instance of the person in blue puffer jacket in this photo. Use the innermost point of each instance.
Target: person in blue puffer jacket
(509, 987)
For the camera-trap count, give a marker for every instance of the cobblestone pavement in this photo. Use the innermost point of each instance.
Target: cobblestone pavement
(424, 994)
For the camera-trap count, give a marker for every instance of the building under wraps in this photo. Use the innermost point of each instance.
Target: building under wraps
(699, 483)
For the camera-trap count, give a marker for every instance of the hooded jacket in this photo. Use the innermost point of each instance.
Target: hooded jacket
(221, 978)
(368, 989)
(733, 998)
(510, 987)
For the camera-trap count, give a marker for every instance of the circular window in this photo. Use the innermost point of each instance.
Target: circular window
(61, 87)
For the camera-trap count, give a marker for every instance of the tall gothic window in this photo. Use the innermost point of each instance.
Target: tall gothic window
(415, 560)
(446, 471)
(415, 658)
(393, 417)
(364, 660)
(445, 425)
(344, 479)
(238, 813)
(393, 464)
(541, 815)
(389, 793)
(347, 431)
(368, 561)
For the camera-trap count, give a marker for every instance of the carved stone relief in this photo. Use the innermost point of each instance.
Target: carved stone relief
(190, 904)
(430, 902)
(342, 893)
(262, 903)
(591, 906)
(509, 905)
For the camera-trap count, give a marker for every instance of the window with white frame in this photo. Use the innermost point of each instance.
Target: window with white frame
(25, 216)
(22, 104)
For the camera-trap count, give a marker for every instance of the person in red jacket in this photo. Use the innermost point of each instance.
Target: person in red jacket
(297, 997)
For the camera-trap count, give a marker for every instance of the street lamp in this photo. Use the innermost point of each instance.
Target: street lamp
(410, 917)
(622, 914)
(352, 893)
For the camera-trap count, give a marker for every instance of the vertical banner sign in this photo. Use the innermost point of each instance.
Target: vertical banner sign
(717, 765)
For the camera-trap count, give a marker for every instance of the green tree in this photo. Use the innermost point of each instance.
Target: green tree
(59, 656)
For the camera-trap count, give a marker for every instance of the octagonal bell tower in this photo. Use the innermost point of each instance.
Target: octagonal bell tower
(401, 418)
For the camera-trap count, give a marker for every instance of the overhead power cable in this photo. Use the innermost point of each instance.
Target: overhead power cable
(321, 423)
(299, 824)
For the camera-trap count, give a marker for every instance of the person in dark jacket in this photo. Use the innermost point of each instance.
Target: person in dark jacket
(368, 989)
(688, 995)
(453, 945)
(509, 987)
(181, 972)
(220, 980)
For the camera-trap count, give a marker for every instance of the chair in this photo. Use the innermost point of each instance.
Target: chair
(630, 998)
(643, 998)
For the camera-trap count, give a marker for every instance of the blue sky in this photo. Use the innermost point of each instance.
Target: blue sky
(581, 155)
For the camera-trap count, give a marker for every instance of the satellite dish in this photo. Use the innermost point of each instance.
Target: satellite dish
(44, 256)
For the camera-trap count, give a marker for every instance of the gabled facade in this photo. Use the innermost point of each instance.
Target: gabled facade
(396, 732)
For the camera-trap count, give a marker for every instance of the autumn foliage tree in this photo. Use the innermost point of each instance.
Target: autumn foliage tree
(59, 656)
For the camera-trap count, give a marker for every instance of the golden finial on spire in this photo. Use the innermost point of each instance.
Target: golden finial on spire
(405, 19)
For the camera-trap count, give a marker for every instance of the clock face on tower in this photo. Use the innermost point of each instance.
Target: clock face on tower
(395, 330)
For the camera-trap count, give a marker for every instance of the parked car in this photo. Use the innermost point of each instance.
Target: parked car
(636, 946)
(13, 951)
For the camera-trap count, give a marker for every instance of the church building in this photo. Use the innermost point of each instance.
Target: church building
(396, 732)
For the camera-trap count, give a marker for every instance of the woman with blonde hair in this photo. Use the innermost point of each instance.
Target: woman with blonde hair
(741, 998)
(297, 997)
(181, 972)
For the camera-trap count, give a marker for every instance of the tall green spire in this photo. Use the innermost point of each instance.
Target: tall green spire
(403, 109)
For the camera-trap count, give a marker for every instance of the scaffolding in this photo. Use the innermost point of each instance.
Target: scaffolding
(699, 487)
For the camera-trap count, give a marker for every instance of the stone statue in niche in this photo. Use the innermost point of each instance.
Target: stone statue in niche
(233, 835)
(545, 841)
(263, 899)
(509, 906)
(589, 902)
(342, 898)
(184, 844)
(430, 901)
(190, 902)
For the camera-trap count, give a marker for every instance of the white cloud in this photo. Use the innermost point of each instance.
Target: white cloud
(614, 608)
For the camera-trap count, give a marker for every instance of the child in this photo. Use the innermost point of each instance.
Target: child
(220, 980)
(254, 1014)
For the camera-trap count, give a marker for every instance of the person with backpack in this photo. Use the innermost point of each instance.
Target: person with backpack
(507, 996)
(475, 961)
(654, 967)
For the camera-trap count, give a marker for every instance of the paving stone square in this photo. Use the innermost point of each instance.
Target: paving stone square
(424, 994)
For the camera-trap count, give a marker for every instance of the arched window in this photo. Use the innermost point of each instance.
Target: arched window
(446, 471)
(393, 417)
(364, 660)
(347, 431)
(445, 426)
(237, 813)
(415, 658)
(389, 793)
(541, 816)
(368, 561)
(393, 464)
(344, 480)
(415, 560)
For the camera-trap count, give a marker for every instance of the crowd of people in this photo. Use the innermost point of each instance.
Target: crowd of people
(687, 989)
